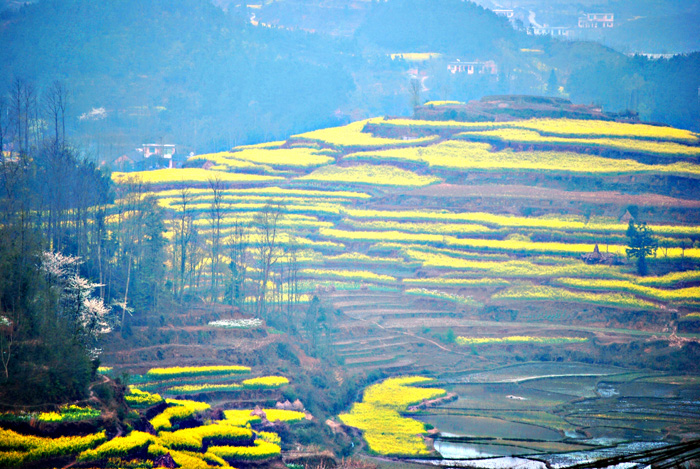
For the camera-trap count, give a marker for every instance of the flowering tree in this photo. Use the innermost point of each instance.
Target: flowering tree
(89, 315)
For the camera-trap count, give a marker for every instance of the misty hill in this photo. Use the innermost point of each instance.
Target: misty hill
(449, 26)
(206, 79)
(169, 69)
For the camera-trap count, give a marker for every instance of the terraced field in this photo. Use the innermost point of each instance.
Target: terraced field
(449, 249)
(177, 428)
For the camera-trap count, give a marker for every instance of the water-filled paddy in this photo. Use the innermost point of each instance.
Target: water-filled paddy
(530, 371)
(469, 426)
(463, 450)
(504, 396)
(576, 387)
(562, 413)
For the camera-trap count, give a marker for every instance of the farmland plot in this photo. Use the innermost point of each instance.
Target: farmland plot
(461, 290)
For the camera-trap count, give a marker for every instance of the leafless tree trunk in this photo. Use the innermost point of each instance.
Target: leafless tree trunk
(184, 234)
(16, 101)
(237, 245)
(292, 281)
(29, 98)
(55, 104)
(216, 215)
(266, 224)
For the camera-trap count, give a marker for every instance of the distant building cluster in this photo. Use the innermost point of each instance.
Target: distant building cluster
(507, 13)
(521, 16)
(596, 20)
(148, 156)
(545, 30)
(487, 67)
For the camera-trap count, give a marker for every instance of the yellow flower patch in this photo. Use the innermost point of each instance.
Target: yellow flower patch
(546, 293)
(178, 371)
(353, 136)
(265, 382)
(187, 176)
(181, 410)
(346, 274)
(284, 415)
(381, 175)
(383, 427)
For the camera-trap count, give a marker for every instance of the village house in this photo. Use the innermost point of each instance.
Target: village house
(596, 20)
(158, 155)
(555, 31)
(158, 149)
(488, 67)
(507, 13)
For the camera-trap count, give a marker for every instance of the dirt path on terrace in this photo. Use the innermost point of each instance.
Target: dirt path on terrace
(528, 192)
(424, 339)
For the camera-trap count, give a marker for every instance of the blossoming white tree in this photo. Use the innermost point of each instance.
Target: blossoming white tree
(90, 316)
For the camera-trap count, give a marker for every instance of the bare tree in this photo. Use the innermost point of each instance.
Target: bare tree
(55, 104)
(266, 224)
(18, 116)
(216, 215)
(29, 99)
(292, 280)
(184, 235)
(237, 245)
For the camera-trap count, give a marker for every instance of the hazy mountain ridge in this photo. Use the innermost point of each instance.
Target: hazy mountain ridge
(191, 74)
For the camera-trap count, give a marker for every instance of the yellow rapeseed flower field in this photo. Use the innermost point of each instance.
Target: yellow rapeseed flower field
(181, 409)
(265, 382)
(353, 136)
(381, 175)
(442, 103)
(478, 156)
(271, 192)
(283, 415)
(624, 144)
(546, 293)
(562, 127)
(598, 128)
(180, 371)
(384, 429)
(188, 176)
(435, 228)
(346, 274)
(240, 418)
(515, 268)
(671, 278)
(225, 161)
(680, 294)
(282, 157)
(398, 393)
(396, 236)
